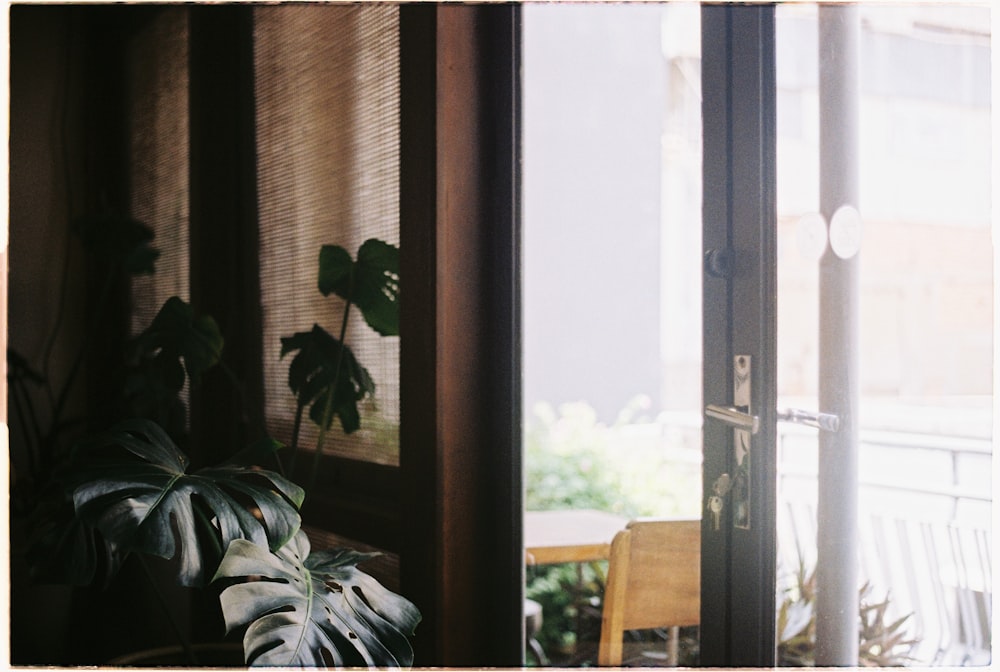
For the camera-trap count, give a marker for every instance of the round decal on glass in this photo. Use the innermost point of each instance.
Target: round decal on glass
(845, 232)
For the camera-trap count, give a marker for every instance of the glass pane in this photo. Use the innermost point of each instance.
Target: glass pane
(328, 167)
(612, 303)
(924, 313)
(158, 136)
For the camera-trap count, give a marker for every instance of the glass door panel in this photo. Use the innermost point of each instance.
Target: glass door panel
(612, 304)
(919, 316)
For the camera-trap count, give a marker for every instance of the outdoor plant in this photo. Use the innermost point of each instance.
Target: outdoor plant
(575, 462)
(97, 498)
(881, 643)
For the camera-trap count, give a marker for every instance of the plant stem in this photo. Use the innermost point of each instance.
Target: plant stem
(185, 644)
(328, 408)
(327, 419)
(299, 407)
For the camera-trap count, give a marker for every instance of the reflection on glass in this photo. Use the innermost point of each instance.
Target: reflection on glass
(612, 300)
(926, 341)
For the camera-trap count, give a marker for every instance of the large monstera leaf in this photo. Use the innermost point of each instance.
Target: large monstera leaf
(313, 377)
(314, 610)
(64, 549)
(177, 334)
(371, 283)
(140, 492)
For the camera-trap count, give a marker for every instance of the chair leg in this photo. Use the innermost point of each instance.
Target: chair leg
(532, 624)
(673, 645)
(536, 650)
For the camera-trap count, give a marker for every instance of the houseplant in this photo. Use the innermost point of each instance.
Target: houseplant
(235, 527)
(239, 525)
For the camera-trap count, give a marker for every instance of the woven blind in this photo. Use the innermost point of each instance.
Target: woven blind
(327, 91)
(158, 135)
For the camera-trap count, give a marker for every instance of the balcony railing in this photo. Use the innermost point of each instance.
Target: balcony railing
(925, 532)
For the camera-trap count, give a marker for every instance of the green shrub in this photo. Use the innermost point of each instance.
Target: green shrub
(575, 462)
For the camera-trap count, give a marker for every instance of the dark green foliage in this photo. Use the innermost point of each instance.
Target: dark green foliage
(89, 502)
(371, 283)
(64, 549)
(313, 609)
(175, 348)
(325, 372)
(176, 336)
(323, 366)
(138, 493)
(571, 596)
(569, 469)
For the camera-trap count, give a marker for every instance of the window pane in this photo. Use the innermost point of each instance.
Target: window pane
(925, 322)
(612, 299)
(327, 93)
(158, 113)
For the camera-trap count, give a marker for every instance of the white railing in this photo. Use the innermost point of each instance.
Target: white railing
(924, 521)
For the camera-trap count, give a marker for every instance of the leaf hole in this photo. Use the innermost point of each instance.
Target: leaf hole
(261, 650)
(328, 660)
(357, 591)
(286, 608)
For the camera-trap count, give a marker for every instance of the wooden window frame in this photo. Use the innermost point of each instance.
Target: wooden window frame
(462, 559)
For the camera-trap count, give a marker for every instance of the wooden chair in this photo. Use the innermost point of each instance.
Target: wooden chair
(654, 581)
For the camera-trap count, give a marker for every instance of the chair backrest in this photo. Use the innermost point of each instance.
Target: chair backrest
(654, 581)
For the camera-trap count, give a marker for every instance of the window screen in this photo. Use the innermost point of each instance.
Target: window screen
(158, 113)
(327, 91)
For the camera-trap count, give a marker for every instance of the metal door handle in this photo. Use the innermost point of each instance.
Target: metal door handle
(827, 421)
(734, 416)
(737, 416)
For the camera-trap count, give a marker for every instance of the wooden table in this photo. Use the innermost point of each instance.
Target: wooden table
(581, 535)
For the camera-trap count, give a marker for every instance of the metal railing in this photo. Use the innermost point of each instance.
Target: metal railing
(925, 533)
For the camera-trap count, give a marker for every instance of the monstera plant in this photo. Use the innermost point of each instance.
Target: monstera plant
(239, 525)
(235, 527)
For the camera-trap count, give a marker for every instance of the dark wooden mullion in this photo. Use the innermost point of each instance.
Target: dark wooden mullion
(420, 553)
(499, 35)
(462, 558)
(357, 500)
(224, 237)
(105, 192)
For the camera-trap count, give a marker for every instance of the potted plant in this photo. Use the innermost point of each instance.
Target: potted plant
(234, 527)
(238, 525)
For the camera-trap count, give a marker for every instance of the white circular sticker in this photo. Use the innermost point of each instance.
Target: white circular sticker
(845, 232)
(811, 235)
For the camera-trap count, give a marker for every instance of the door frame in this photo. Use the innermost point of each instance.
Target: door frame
(460, 503)
(739, 318)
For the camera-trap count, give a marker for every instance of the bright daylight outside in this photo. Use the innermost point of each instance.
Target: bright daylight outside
(612, 318)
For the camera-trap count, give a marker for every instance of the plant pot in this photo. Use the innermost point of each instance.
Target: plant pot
(208, 655)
